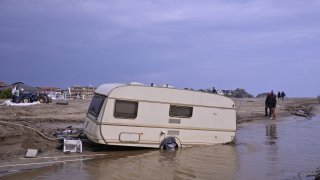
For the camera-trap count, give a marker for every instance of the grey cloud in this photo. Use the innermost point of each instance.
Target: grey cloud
(185, 42)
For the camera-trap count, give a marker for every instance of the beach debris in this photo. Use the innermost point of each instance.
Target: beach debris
(68, 133)
(10, 103)
(62, 103)
(72, 146)
(311, 175)
(300, 112)
(31, 153)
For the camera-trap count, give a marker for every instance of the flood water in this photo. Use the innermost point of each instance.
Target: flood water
(285, 149)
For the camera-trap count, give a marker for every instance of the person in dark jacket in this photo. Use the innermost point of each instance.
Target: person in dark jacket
(267, 105)
(283, 95)
(273, 105)
(279, 95)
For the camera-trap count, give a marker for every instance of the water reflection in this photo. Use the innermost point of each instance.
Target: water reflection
(201, 162)
(271, 134)
(271, 157)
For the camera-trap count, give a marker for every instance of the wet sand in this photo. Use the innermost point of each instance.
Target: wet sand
(14, 140)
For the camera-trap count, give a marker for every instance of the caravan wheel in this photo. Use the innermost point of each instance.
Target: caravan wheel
(170, 143)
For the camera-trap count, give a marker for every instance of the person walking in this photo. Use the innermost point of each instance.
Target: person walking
(17, 94)
(13, 94)
(214, 91)
(279, 95)
(283, 95)
(267, 105)
(273, 105)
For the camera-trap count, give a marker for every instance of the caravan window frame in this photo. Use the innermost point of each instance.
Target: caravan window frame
(173, 111)
(124, 115)
(96, 104)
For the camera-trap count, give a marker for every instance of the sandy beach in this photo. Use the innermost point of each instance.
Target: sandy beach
(15, 140)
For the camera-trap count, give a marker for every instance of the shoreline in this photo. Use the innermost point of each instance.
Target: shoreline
(252, 109)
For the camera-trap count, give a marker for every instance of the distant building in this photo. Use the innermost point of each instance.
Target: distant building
(49, 89)
(86, 91)
(3, 84)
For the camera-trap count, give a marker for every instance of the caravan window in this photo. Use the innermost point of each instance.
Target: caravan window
(126, 109)
(96, 105)
(180, 111)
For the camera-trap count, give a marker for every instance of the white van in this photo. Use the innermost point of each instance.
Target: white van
(148, 116)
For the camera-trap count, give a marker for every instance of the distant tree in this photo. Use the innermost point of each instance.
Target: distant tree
(241, 93)
(5, 94)
(262, 95)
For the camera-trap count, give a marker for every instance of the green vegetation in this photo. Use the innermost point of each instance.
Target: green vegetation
(5, 94)
(241, 93)
(238, 93)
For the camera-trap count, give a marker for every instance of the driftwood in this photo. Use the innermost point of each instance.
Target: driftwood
(62, 103)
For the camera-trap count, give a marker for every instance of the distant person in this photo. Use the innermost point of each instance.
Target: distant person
(283, 95)
(267, 105)
(13, 94)
(214, 91)
(17, 94)
(279, 95)
(273, 105)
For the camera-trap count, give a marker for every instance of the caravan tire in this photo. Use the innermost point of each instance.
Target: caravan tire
(169, 143)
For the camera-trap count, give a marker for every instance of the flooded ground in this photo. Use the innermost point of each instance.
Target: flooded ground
(286, 149)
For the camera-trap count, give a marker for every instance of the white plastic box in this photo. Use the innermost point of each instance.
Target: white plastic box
(72, 146)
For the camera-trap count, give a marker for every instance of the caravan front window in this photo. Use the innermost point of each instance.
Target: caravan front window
(96, 105)
(125, 109)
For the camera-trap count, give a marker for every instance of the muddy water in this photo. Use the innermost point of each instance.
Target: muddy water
(286, 149)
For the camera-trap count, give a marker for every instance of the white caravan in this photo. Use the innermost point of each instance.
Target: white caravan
(149, 116)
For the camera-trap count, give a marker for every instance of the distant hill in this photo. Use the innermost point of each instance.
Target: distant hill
(3, 84)
(262, 95)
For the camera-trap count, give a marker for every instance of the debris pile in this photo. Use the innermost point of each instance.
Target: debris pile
(69, 133)
(10, 103)
(300, 112)
(70, 139)
(304, 111)
(315, 174)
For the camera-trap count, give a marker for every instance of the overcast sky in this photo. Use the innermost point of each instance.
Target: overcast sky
(258, 45)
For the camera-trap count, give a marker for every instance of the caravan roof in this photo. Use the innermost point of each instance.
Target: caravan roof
(163, 94)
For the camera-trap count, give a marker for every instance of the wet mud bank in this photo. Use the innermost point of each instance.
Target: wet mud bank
(253, 109)
(18, 126)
